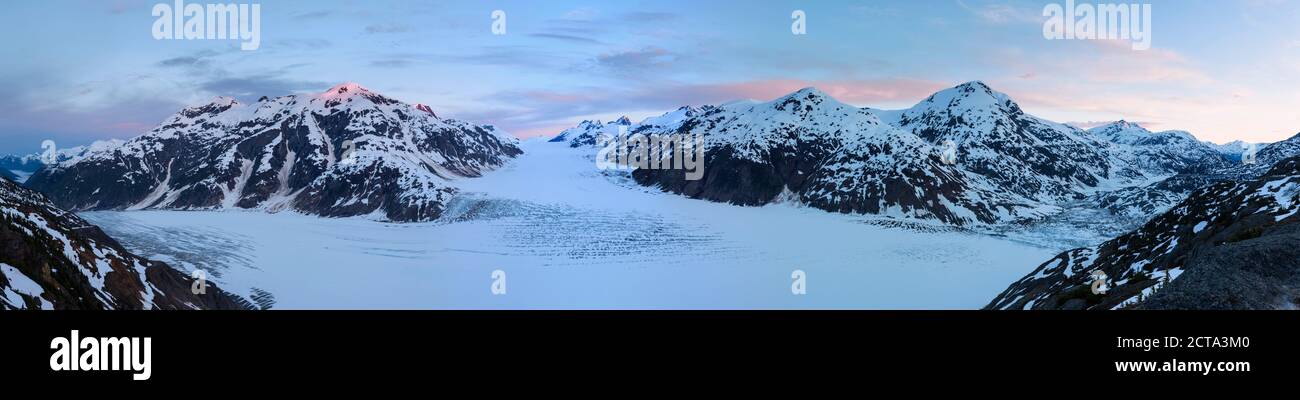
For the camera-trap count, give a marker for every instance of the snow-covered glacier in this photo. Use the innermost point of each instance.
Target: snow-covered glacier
(567, 235)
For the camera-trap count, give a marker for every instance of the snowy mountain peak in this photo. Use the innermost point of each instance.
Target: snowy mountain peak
(975, 87)
(587, 131)
(808, 92)
(1130, 133)
(425, 108)
(1112, 128)
(1130, 125)
(806, 100)
(1164, 152)
(968, 96)
(345, 152)
(218, 105)
(223, 101)
(346, 88)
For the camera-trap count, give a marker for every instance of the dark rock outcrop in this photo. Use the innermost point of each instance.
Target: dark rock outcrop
(52, 259)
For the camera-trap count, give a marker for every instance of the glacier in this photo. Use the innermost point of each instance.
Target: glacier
(570, 236)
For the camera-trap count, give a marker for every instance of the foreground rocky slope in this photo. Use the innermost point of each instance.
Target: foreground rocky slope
(52, 259)
(345, 152)
(1231, 245)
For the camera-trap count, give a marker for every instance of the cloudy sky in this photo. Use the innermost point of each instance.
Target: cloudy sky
(76, 71)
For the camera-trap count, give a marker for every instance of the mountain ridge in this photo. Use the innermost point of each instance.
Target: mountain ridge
(345, 152)
(1012, 166)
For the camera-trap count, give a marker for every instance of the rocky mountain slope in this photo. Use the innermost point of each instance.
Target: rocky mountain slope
(808, 147)
(345, 152)
(811, 148)
(1231, 245)
(52, 259)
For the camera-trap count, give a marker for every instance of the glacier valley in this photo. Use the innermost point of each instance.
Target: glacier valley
(568, 235)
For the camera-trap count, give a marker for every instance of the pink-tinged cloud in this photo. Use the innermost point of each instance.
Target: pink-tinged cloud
(1210, 113)
(849, 91)
(1101, 63)
(540, 130)
(1214, 113)
(1117, 62)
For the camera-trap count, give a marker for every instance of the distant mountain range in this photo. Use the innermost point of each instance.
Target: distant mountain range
(345, 152)
(1010, 166)
(964, 156)
(1224, 231)
(21, 167)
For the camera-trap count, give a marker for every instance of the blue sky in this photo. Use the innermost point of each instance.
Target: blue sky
(76, 71)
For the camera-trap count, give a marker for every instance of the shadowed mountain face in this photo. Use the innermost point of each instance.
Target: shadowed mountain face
(345, 152)
(52, 259)
(25, 163)
(1231, 245)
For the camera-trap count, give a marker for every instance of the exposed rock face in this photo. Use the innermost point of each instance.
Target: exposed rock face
(52, 259)
(1231, 245)
(1256, 274)
(345, 152)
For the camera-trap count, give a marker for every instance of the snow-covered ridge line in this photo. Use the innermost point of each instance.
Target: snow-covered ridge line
(343, 152)
(1010, 165)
